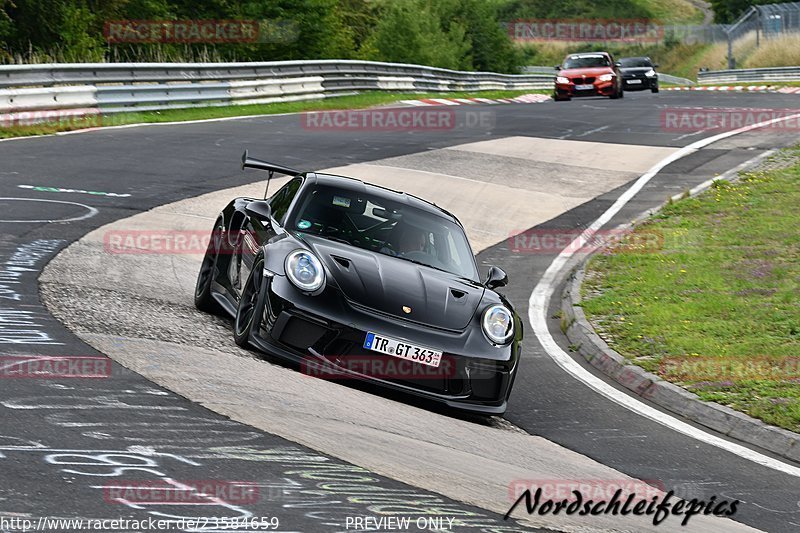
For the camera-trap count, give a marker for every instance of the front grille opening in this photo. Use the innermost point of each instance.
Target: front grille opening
(301, 334)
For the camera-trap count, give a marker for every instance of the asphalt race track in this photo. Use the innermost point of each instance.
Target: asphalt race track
(77, 438)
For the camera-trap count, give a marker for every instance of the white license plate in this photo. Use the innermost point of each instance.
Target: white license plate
(633, 82)
(584, 87)
(402, 349)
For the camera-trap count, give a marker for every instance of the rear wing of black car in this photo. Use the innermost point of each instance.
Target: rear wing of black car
(272, 168)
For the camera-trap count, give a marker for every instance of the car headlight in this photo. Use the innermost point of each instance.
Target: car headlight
(498, 324)
(562, 79)
(650, 73)
(606, 77)
(304, 270)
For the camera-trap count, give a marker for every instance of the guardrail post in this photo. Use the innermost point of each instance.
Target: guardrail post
(731, 59)
(758, 27)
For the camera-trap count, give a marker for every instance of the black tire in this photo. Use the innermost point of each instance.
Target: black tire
(559, 99)
(654, 89)
(251, 307)
(209, 269)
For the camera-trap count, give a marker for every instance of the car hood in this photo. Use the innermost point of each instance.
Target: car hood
(575, 72)
(388, 284)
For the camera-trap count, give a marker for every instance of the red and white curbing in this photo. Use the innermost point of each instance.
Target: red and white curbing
(522, 99)
(747, 88)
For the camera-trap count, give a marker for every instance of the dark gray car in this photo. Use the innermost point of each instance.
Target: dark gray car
(638, 73)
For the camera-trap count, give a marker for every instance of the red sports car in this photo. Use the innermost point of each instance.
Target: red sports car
(589, 74)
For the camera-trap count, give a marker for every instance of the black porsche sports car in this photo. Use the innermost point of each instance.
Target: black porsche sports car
(356, 280)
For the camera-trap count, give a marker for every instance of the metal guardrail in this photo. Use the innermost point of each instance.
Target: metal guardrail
(675, 80)
(117, 87)
(772, 74)
(538, 69)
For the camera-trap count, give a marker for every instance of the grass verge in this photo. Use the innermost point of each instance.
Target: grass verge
(713, 307)
(358, 101)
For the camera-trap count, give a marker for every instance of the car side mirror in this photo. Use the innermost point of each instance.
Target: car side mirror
(557, 67)
(496, 278)
(655, 65)
(259, 209)
(617, 64)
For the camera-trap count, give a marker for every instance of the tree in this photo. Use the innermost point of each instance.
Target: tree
(457, 34)
(490, 47)
(411, 31)
(727, 11)
(360, 17)
(6, 27)
(79, 41)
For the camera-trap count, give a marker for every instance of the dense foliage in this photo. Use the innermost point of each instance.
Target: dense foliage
(573, 9)
(463, 34)
(727, 11)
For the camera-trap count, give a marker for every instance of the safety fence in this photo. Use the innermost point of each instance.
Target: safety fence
(120, 87)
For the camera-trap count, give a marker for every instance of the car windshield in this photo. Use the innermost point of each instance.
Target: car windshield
(585, 62)
(634, 62)
(374, 223)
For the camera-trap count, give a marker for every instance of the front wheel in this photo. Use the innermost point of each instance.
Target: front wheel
(654, 89)
(250, 308)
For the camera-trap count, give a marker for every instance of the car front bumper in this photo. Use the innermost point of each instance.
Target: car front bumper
(326, 335)
(598, 88)
(639, 82)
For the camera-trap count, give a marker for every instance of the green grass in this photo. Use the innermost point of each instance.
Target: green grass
(358, 101)
(671, 11)
(684, 60)
(719, 293)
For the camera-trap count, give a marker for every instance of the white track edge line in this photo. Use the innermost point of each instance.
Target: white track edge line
(540, 299)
